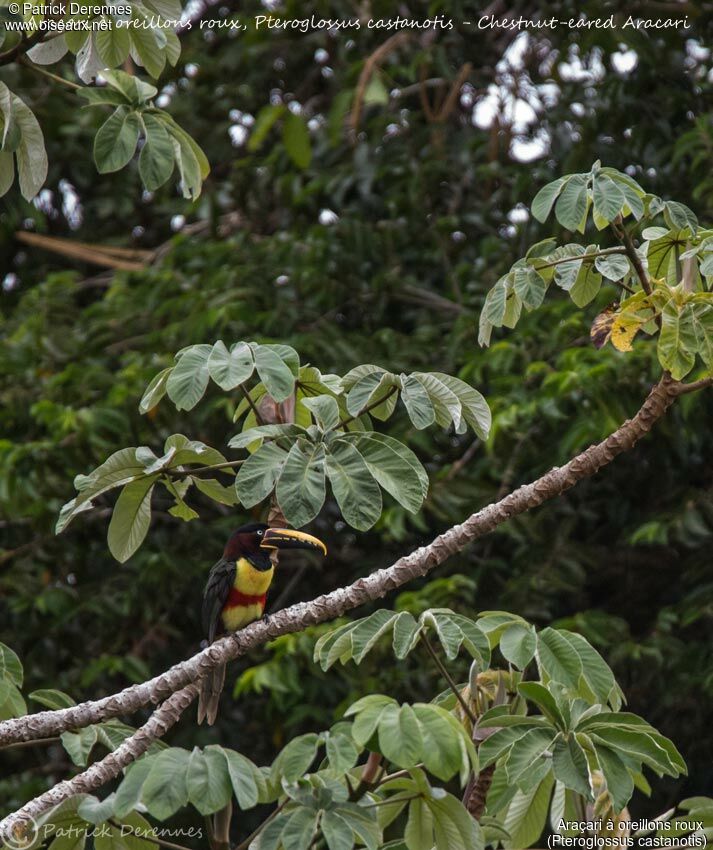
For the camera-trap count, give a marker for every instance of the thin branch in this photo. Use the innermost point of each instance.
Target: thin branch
(622, 235)
(391, 800)
(369, 407)
(178, 679)
(37, 742)
(694, 386)
(605, 252)
(54, 77)
(254, 409)
(21, 822)
(229, 464)
(271, 817)
(449, 679)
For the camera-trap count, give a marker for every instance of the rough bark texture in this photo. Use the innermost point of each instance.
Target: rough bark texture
(297, 617)
(331, 605)
(21, 822)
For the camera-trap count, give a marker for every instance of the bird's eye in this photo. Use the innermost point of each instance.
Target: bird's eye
(260, 533)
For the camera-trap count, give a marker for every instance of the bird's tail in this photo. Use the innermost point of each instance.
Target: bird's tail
(209, 697)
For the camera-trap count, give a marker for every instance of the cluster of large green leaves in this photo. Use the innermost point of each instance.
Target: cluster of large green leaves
(575, 744)
(166, 146)
(147, 36)
(678, 259)
(323, 433)
(11, 676)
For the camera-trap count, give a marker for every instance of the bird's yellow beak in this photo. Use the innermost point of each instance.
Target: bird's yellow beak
(288, 538)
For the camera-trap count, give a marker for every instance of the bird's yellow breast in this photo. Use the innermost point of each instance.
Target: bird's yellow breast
(250, 581)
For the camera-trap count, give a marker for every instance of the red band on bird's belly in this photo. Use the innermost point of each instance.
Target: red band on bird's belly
(236, 599)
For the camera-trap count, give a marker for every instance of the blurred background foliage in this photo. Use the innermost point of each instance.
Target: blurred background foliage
(410, 200)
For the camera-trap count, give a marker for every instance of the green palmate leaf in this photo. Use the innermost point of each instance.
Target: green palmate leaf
(11, 667)
(363, 822)
(544, 200)
(147, 44)
(188, 381)
(7, 171)
(474, 407)
(259, 474)
(325, 410)
(30, 150)
(454, 828)
(301, 486)
(295, 135)
(208, 781)
(700, 316)
(296, 758)
(131, 518)
(518, 644)
(96, 811)
(128, 794)
(597, 682)
(116, 140)
(443, 738)
(394, 466)
(165, 789)
(586, 286)
(527, 814)
(620, 784)
(299, 829)
(679, 216)
(677, 341)
(341, 752)
(571, 206)
(417, 402)
(557, 659)
(260, 432)
(273, 371)
(216, 491)
(608, 199)
(187, 164)
(369, 388)
(530, 757)
(641, 745)
(570, 766)
(155, 391)
(231, 368)
(357, 493)
(245, 777)
(400, 738)
(663, 251)
(613, 266)
(367, 712)
(530, 287)
(337, 832)
(51, 698)
(418, 834)
(543, 699)
(113, 45)
(156, 157)
(446, 405)
(80, 744)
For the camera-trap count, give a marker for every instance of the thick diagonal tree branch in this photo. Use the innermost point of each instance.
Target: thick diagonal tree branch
(176, 687)
(19, 824)
(378, 584)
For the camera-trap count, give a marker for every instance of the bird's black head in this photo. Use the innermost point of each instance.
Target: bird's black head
(257, 538)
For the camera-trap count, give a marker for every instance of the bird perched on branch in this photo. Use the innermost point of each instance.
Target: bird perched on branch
(236, 591)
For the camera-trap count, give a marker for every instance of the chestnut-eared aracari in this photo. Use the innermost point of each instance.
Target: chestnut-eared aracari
(236, 591)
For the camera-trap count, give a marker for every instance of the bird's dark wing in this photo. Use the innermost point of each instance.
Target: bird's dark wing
(215, 595)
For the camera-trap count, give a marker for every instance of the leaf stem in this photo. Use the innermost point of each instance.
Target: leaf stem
(253, 835)
(227, 465)
(392, 800)
(603, 253)
(447, 676)
(254, 409)
(622, 235)
(54, 77)
(369, 407)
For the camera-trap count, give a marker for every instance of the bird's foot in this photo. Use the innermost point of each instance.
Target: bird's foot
(265, 617)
